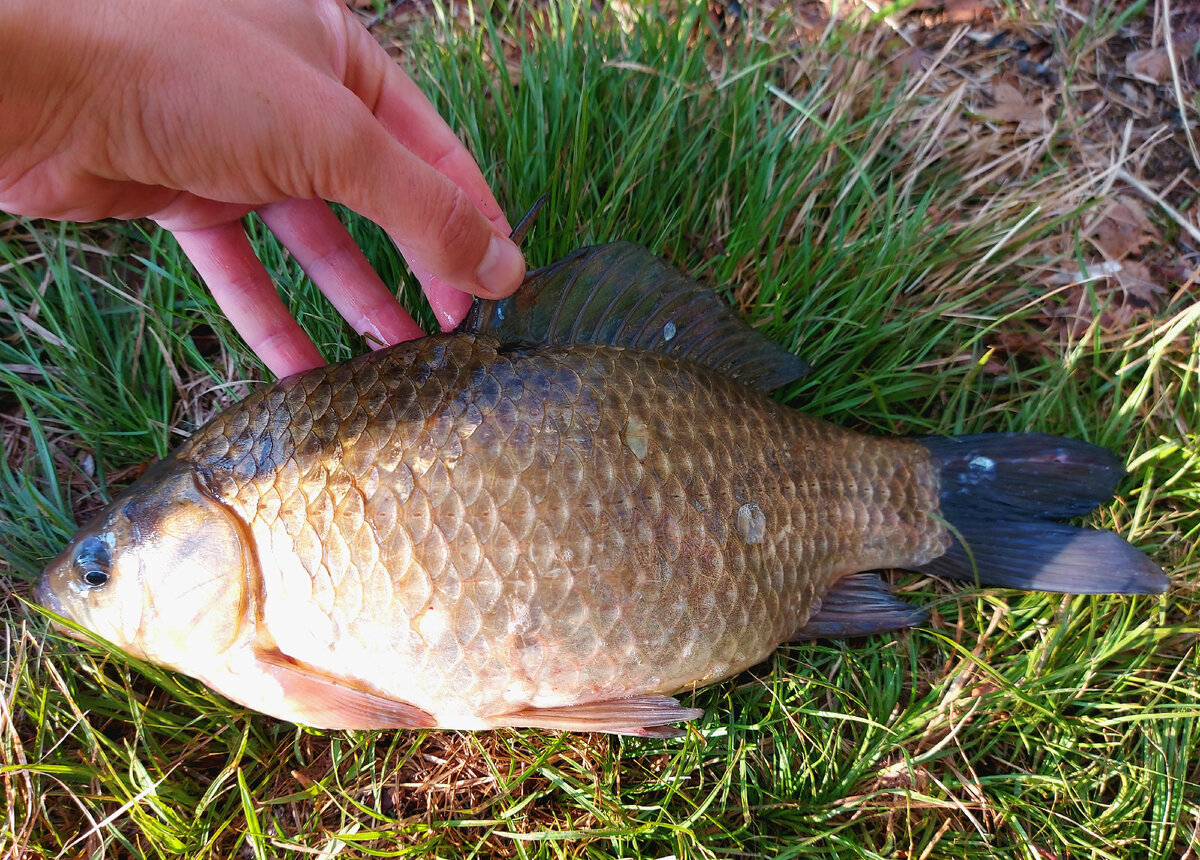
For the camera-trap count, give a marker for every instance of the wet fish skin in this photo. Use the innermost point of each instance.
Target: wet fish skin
(477, 531)
(495, 506)
(579, 503)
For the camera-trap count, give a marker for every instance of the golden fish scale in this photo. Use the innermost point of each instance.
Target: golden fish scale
(475, 531)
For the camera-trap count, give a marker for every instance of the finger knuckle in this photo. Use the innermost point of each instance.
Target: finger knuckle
(457, 228)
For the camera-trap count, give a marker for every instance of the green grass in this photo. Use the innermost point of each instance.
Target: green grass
(816, 197)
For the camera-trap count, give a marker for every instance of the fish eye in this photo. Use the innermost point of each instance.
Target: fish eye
(92, 560)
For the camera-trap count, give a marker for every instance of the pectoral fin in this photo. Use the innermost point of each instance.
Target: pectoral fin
(318, 700)
(639, 716)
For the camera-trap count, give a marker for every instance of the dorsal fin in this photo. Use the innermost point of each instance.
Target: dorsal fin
(622, 295)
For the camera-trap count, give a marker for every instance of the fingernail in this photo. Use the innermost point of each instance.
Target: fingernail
(502, 268)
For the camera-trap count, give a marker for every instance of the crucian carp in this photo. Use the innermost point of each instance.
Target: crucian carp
(576, 505)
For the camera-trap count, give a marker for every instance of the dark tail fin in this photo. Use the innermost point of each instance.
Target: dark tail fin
(1001, 495)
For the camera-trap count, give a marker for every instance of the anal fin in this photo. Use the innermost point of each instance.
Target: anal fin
(640, 716)
(860, 605)
(316, 699)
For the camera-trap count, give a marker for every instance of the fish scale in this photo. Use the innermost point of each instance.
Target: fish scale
(585, 522)
(580, 502)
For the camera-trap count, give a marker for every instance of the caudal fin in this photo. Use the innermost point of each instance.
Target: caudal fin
(1002, 495)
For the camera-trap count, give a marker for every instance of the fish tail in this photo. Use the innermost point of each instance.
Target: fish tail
(1003, 497)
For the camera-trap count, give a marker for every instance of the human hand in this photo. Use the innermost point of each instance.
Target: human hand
(196, 112)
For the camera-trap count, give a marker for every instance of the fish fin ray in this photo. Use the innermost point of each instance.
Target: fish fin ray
(1029, 474)
(622, 295)
(860, 605)
(646, 716)
(1046, 556)
(328, 703)
(1001, 496)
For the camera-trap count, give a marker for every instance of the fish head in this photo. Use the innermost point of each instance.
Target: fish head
(161, 573)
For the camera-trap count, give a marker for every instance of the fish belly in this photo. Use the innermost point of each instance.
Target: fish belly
(478, 531)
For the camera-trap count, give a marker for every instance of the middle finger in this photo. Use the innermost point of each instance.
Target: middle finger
(330, 257)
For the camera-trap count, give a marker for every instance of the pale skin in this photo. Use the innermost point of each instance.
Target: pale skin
(194, 113)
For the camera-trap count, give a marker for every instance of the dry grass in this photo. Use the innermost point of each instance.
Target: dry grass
(1058, 123)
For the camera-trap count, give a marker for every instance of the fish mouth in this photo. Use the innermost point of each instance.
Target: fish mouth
(47, 599)
(43, 594)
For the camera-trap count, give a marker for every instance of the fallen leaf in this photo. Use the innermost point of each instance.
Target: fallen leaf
(1015, 348)
(1122, 292)
(1120, 234)
(910, 61)
(965, 11)
(1135, 210)
(1139, 285)
(1011, 107)
(1153, 67)
(1124, 230)
(1117, 241)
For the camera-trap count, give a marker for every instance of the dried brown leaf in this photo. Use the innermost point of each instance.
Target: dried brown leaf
(1015, 347)
(1141, 289)
(1124, 231)
(1153, 67)
(912, 61)
(965, 11)
(1131, 208)
(1126, 293)
(1116, 238)
(1011, 106)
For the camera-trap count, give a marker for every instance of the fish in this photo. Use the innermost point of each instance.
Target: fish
(577, 506)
